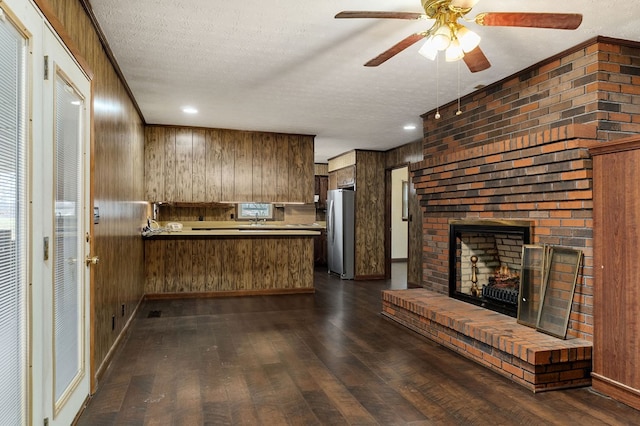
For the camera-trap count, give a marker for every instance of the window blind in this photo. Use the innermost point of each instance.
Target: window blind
(68, 249)
(13, 224)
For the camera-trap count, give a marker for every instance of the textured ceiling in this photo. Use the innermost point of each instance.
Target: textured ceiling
(289, 66)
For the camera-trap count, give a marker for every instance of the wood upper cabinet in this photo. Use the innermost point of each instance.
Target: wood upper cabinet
(616, 297)
(213, 165)
(346, 177)
(343, 178)
(322, 186)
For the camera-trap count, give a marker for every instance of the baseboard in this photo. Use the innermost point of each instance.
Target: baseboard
(369, 277)
(616, 390)
(102, 368)
(230, 293)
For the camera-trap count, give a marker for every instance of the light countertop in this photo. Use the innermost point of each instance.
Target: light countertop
(206, 229)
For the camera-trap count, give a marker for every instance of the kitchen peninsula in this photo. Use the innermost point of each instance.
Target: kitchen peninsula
(210, 259)
(202, 174)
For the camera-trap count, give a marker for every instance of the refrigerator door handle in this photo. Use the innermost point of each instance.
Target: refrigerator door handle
(332, 219)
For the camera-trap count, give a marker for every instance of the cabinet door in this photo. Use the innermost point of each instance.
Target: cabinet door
(154, 164)
(213, 166)
(243, 168)
(265, 168)
(322, 184)
(346, 177)
(320, 249)
(616, 299)
(333, 180)
(301, 169)
(184, 166)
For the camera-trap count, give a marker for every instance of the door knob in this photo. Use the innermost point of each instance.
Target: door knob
(92, 260)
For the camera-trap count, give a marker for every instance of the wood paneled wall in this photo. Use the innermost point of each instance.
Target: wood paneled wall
(367, 176)
(399, 157)
(370, 213)
(118, 187)
(215, 165)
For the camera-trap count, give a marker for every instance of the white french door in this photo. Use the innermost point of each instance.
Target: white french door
(45, 100)
(66, 126)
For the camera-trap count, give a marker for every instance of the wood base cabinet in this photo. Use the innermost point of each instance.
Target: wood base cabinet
(234, 266)
(616, 299)
(320, 249)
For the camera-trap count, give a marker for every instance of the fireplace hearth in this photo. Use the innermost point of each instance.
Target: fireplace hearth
(484, 262)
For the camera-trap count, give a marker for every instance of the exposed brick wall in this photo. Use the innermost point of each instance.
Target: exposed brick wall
(520, 151)
(598, 82)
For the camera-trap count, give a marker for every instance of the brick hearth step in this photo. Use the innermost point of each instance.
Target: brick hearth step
(533, 359)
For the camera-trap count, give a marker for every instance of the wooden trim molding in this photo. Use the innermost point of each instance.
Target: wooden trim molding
(616, 390)
(102, 368)
(46, 10)
(369, 277)
(107, 49)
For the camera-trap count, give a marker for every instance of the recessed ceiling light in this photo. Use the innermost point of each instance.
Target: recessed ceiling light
(189, 110)
(410, 127)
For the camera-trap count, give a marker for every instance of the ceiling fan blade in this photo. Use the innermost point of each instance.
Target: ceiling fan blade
(476, 60)
(393, 51)
(382, 15)
(561, 21)
(464, 4)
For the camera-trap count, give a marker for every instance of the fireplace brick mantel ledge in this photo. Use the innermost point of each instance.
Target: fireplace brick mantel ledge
(533, 359)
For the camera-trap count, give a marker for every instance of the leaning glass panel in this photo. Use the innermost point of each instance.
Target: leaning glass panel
(531, 279)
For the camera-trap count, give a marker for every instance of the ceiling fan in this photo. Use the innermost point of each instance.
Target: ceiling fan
(458, 42)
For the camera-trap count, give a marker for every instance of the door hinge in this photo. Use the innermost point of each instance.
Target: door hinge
(45, 248)
(46, 421)
(46, 67)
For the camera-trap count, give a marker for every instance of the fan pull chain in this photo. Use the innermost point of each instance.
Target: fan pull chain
(458, 112)
(437, 116)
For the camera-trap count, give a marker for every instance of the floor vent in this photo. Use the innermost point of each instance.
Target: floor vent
(154, 314)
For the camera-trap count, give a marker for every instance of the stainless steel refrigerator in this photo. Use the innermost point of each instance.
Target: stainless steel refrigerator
(340, 232)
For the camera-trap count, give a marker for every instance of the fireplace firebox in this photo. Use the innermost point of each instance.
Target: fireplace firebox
(484, 262)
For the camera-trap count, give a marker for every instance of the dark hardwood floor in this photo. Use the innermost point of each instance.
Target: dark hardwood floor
(325, 358)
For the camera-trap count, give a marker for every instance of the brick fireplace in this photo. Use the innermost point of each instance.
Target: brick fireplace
(543, 179)
(519, 152)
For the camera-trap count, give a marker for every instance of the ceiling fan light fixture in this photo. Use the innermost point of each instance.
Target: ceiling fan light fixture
(428, 50)
(467, 38)
(441, 38)
(454, 51)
